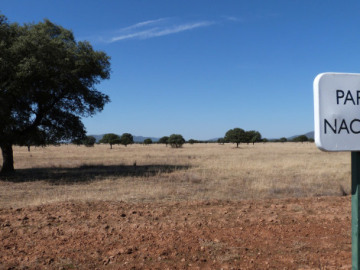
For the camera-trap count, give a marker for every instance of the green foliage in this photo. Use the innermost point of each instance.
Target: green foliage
(283, 139)
(37, 138)
(148, 141)
(221, 141)
(176, 140)
(47, 84)
(164, 140)
(301, 138)
(77, 141)
(89, 141)
(111, 139)
(192, 141)
(236, 135)
(252, 136)
(126, 139)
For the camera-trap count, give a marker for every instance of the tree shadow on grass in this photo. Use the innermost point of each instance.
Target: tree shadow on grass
(87, 173)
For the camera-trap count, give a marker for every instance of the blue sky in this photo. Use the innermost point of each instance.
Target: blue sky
(200, 68)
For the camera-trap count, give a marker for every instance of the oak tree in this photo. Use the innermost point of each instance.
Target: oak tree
(148, 141)
(236, 135)
(176, 140)
(89, 141)
(47, 84)
(126, 139)
(253, 136)
(164, 140)
(111, 139)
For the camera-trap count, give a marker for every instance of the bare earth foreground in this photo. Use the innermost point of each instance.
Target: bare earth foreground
(307, 233)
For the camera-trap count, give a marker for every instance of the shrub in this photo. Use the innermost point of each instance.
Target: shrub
(148, 141)
(176, 140)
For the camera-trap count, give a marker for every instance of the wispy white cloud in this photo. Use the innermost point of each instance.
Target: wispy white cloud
(232, 18)
(167, 26)
(181, 28)
(142, 24)
(249, 18)
(155, 28)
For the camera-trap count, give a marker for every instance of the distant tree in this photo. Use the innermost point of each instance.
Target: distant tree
(236, 135)
(311, 140)
(111, 139)
(176, 140)
(89, 141)
(164, 140)
(126, 139)
(221, 141)
(148, 141)
(283, 139)
(252, 136)
(264, 140)
(301, 138)
(77, 141)
(247, 136)
(192, 141)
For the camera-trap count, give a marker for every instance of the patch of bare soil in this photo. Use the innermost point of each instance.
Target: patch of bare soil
(310, 233)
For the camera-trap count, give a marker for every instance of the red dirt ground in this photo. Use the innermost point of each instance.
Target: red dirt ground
(304, 233)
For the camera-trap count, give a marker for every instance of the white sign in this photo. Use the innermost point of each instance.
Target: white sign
(337, 111)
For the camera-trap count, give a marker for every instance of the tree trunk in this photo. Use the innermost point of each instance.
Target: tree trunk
(8, 158)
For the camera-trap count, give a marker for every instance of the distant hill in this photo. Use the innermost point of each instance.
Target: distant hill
(310, 135)
(140, 139)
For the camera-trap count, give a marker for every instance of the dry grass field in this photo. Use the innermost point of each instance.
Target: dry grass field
(198, 172)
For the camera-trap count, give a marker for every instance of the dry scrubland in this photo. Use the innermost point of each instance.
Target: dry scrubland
(180, 209)
(196, 172)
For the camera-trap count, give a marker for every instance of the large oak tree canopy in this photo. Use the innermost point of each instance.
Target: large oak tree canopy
(47, 83)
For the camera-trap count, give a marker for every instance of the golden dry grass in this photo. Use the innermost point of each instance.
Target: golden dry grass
(194, 172)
